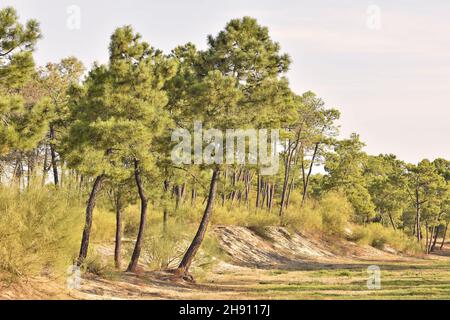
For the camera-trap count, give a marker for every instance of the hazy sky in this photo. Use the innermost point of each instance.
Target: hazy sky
(390, 77)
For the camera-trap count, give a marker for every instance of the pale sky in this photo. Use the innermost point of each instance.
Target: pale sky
(390, 80)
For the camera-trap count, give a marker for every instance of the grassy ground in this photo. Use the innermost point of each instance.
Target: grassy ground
(399, 280)
(335, 277)
(418, 279)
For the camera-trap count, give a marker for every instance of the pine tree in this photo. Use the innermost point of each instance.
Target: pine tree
(19, 126)
(55, 80)
(224, 92)
(116, 117)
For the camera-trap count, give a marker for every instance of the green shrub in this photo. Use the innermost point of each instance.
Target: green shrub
(40, 230)
(98, 264)
(165, 246)
(240, 216)
(103, 225)
(305, 219)
(130, 220)
(378, 236)
(330, 215)
(336, 212)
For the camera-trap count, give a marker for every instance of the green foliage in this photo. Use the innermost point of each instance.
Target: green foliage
(131, 217)
(428, 192)
(16, 46)
(122, 116)
(98, 264)
(345, 168)
(120, 109)
(164, 246)
(330, 215)
(103, 226)
(20, 124)
(378, 236)
(241, 216)
(39, 230)
(386, 181)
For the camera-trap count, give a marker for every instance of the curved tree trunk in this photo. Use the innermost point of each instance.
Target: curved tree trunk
(144, 202)
(88, 224)
(185, 264)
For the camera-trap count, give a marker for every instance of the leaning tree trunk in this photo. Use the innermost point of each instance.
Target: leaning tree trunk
(88, 224)
(144, 202)
(392, 221)
(437, 229)
(185, 264)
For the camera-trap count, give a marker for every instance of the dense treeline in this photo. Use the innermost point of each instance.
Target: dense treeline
(107, 133)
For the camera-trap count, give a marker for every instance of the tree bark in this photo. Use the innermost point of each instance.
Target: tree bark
(144, 202)
(443, 238)
(272, 196)
(264, 194)
(258, 191)
(308, 176)
(166, 211)
(44, 167)
(185, 264)
(224, 191)
(268, 193)
(53, 156)
(118, 246)
(178, 194)
(436, 233)
(193, 196)
(290, 189)
(418, 216)
(88, 224)
(392, 221)
(287, 167)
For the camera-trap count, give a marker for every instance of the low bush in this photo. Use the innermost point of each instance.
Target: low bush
(103, 225)
(378, 236)
(330, 215)
(40, 230)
